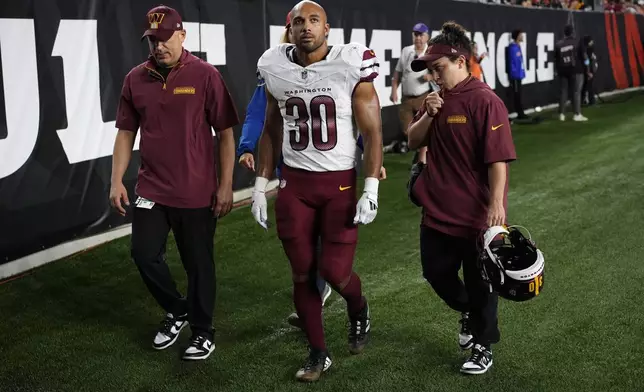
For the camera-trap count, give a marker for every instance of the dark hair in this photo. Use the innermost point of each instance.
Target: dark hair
(568, 30)
(516, 33)
(453, 34)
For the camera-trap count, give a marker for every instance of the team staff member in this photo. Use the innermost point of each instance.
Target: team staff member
(463, 188)
(175, 98)
(415, 85)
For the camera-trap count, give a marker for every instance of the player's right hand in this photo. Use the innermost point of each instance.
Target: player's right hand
(248, 161)
(259, 203)
(394, 97)
(118, 193)
(433, 102)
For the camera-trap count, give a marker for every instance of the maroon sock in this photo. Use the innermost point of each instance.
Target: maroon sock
(352, 293)
(308, 305)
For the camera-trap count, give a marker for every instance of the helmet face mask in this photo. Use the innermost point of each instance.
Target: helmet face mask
(511, 263)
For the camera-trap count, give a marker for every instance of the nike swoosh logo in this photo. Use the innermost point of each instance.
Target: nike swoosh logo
(497, 127)
(344, 188)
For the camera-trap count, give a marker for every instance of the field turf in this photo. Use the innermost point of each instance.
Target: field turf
(86, 323)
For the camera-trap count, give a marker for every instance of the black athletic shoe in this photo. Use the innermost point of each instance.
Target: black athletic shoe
(359, 328)
(200, 348)
(317, 363)
(169, 331)
(465, 338)
(480, 361)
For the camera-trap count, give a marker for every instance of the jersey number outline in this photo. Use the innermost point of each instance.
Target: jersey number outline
(303, 116)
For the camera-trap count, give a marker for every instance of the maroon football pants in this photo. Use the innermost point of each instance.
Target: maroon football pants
(311, 205)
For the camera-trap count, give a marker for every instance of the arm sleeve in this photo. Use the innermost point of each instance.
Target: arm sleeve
(127, 118)
(497, 134)
(220, 109)
(369, 68)
(254, 122)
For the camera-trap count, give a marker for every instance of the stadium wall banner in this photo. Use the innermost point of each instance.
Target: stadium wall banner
(62, 63)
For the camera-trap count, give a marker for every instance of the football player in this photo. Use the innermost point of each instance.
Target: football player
(314, 91)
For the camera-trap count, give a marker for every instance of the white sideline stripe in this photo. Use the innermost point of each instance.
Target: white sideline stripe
(58, 252)
(69, 248)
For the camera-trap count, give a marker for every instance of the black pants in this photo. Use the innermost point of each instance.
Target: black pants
(588, 92)
(516, 97)
(441, 257)
(194, 231)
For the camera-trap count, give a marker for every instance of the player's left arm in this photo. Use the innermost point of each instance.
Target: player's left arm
(366, 109)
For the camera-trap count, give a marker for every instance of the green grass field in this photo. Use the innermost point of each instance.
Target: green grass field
(86, 323)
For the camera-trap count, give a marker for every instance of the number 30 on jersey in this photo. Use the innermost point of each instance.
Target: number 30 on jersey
(310, 122)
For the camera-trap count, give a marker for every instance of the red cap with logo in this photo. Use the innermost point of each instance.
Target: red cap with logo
(288, 20)
(162, 21)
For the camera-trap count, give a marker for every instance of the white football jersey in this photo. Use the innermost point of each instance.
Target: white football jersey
(316, 103)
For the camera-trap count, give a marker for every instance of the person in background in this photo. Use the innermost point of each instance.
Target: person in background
(251, 132)
(415, 85)
(475, 62)
(572, 63)
(588, 91)
(174, 100)
(516, 72)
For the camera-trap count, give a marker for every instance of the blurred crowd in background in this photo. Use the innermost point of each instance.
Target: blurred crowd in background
(632, 6)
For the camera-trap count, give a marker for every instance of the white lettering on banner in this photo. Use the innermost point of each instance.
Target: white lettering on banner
(545, 68)
(336, 37)
(359, 36)
(86, 137)
(504, 41)
(211, 40)
(528, 63)
(381, 41)
(275, 35)
(22, 102)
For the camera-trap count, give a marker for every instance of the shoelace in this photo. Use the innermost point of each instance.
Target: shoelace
(166, 325)
(465, 325)
(313, 361)
(355, 329)
(197, 341)
(477, 354)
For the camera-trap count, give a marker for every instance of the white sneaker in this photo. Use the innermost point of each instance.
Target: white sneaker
(200, 348)
(169, 331)
(579, 117)
(479, 362)
(562, 117)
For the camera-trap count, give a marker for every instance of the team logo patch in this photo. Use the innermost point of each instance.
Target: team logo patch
(155, 19)
(184, 90)
(305, 74)
(282, 183)
(457, 119)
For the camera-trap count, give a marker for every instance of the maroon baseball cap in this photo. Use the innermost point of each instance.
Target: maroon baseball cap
(288, 19)
(162, 21)
(433, 53)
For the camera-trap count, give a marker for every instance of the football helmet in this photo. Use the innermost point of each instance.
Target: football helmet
(511, 263)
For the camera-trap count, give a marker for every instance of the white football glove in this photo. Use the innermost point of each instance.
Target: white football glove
(367, 207)
(258, 206)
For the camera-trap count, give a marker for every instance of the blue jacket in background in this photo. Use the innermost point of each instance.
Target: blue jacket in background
(514, 62)
(254, 123)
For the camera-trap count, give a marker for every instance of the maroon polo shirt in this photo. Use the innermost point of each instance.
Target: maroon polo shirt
(175, 116)
(470, 132)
